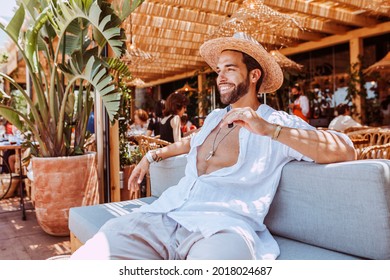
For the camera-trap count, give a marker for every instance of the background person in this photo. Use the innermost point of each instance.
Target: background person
(344, 119)
(187, 127)
(170, 125)
(300, 106)
(154, 121)
(385, 111)
(140, 124)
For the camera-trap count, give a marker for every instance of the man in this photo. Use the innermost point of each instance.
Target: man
(344, 119)
(300, 106)
(217, 209)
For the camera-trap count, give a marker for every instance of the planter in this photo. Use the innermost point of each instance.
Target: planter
(61, 183)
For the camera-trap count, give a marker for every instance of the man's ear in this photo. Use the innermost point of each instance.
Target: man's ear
(255, 75)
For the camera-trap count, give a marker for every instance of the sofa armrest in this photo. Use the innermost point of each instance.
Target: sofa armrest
(342, 206)
(166, 173)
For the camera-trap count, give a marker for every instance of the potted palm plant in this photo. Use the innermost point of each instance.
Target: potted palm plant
(63, 44)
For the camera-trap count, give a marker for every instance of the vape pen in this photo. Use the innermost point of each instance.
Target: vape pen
(230, 125)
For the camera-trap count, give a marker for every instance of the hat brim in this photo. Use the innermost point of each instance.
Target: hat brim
(273, 75)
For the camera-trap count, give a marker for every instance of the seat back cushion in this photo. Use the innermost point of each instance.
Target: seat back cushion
(166, 173)
(342, 206)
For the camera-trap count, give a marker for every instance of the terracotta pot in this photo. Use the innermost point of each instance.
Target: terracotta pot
(61, 183)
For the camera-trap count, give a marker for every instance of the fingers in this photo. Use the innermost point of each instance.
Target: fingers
(138, 175)
(135, 179)
(235, 116)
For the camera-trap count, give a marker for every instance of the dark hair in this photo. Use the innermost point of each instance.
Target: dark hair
(252, 64)
(159, 108)
(342, 108)
(298, 88)
(175, 102)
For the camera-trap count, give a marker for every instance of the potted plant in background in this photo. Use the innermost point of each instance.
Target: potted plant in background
(64, 51)
(129, 153)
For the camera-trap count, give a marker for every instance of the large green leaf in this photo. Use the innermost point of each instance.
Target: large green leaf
(99, 19)
(14, 26)
(97, 74)
(11, 115)
(126, 7)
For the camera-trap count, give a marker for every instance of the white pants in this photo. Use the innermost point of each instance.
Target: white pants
(147, 236)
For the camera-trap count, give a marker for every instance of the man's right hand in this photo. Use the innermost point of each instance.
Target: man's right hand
(137, 176)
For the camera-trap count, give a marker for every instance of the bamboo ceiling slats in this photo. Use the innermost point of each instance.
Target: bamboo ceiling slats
(377, 6)
(325, 9)
(168, 33)
(321, 25)
(168, 23)
(178, 13)
(212, 6)
(171, 31)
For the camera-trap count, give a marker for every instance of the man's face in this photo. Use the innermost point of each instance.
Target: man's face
(294, 91)
(233, 78)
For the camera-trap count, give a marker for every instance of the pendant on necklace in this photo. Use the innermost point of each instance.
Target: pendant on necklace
(211, 154)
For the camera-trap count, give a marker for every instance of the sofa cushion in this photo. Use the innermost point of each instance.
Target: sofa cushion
(342, 206)
(85, 221)
(166, 173)
(295, 250)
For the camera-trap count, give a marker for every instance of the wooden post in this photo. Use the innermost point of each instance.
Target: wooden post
(114, 162)
(356, 51)
(201, 108)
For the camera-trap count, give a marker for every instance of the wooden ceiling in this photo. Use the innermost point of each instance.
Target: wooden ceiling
(171, 31)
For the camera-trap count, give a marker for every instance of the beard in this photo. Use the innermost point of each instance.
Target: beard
(236, 93)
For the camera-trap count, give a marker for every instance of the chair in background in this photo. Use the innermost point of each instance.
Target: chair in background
(148, 143)
(376, 152)
(369, 137)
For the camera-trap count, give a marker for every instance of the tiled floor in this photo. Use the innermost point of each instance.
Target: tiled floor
(24, 239)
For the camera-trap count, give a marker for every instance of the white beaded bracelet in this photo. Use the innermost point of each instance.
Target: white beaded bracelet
(149, 157)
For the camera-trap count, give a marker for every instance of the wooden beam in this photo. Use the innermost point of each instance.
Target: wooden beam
(175, 78)
(379, 29)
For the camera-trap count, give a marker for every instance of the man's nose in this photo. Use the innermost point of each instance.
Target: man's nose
(221, 76)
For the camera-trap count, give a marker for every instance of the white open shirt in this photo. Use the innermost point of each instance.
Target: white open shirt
(235, 198)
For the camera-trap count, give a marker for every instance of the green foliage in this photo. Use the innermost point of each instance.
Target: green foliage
(128, 152)
(356, 83)
(356, 87)
(64, 48)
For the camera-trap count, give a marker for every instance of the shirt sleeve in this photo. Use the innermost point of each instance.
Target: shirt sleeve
(304, 103)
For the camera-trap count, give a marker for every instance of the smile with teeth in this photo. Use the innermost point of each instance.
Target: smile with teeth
(225, 88)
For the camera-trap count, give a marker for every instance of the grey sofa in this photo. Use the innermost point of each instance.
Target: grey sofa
(320, 211)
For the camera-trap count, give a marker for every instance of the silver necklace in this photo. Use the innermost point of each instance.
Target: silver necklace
(214, 149)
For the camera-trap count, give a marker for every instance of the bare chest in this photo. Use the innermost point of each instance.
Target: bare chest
(220, 149)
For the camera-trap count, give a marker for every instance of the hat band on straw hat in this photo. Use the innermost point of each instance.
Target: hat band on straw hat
(242, 42)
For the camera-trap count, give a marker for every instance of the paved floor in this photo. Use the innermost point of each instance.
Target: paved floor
(25, 240)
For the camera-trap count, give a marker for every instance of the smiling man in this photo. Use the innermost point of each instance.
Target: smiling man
(217, 209)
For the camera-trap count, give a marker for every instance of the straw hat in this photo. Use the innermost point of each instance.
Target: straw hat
(273, 75)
